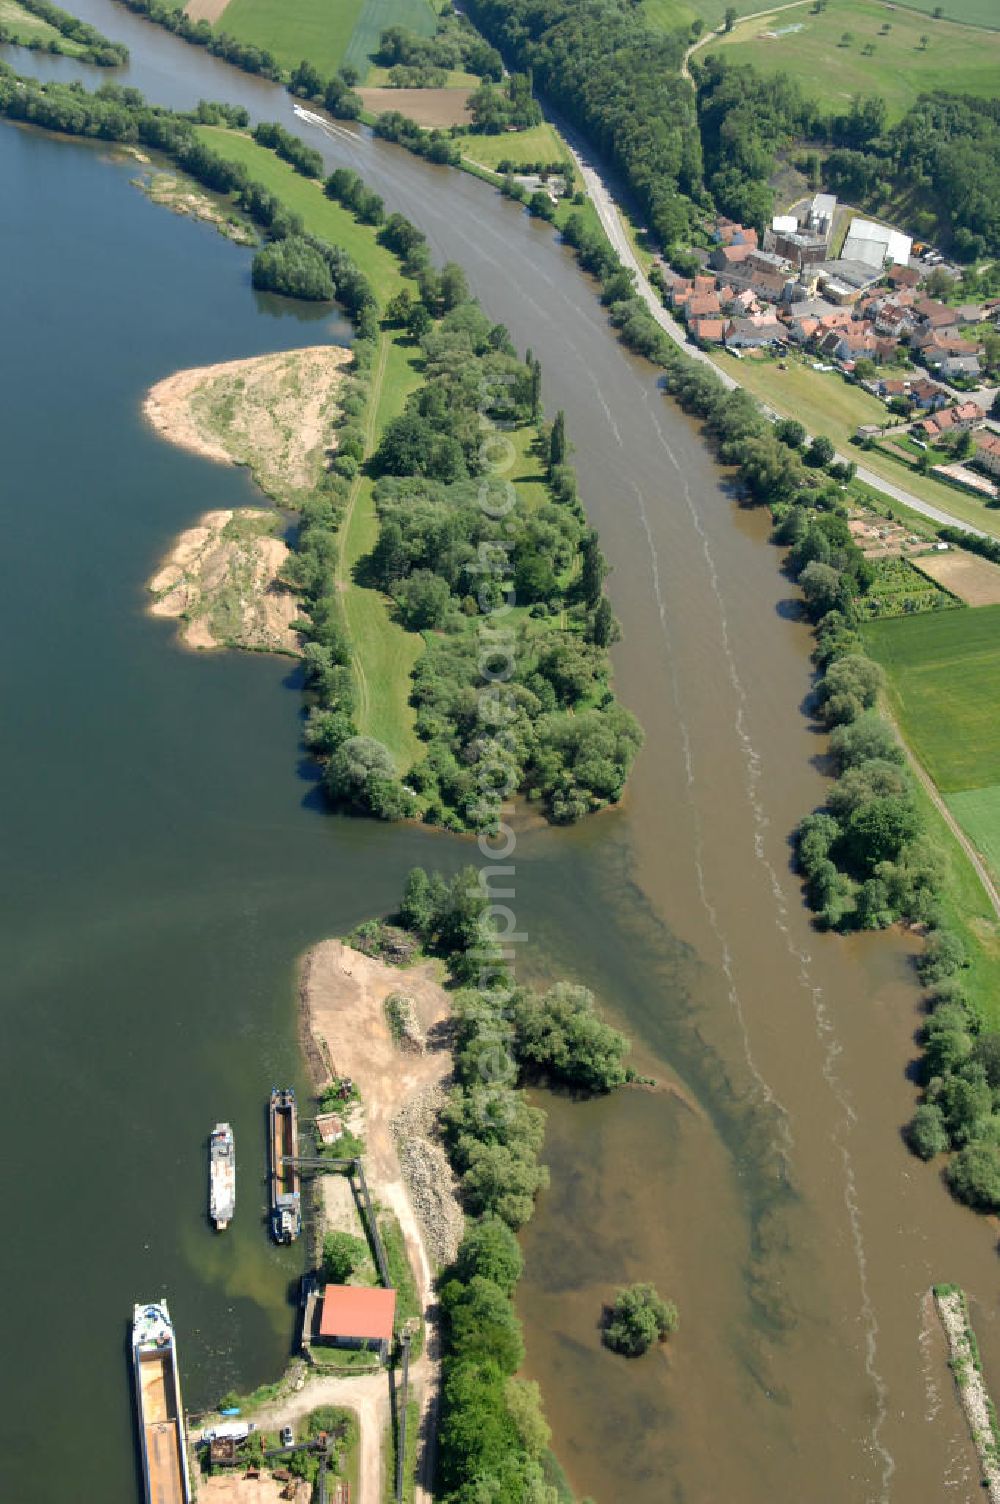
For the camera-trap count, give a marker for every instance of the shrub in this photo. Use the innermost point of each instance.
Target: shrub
(927, 1134)
(974, 1176)
(342, 1254)
(638, 1318)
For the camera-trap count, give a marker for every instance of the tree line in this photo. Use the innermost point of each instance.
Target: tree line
(96, 47)
(866, 858)
(493, 1434)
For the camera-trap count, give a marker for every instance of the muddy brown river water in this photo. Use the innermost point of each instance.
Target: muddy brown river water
(162, 850)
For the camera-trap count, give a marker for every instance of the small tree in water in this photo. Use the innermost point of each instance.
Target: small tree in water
(638, 1318)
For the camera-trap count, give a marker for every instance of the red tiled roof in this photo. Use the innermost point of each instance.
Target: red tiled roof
(358, 1312)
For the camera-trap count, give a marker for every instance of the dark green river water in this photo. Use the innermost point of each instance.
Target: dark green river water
(164, 861)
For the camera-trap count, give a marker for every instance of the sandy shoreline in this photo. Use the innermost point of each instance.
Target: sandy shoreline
(220, 581)
(273, 413)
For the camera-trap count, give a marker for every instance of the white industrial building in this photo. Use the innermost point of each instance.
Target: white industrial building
(875, 244)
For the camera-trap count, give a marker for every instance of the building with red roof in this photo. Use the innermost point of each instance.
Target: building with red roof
(357, 1316)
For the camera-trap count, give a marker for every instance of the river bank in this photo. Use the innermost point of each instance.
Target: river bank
(619, 901)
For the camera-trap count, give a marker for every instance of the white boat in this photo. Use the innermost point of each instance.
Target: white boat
(158, 1400)
(222, 1175)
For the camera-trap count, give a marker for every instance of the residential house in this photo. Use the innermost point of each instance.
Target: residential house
(704, 282)
(801, 330)
(679, 292)
(709, 331)
(755, 333)
(972, 313)
(935, 315)
(961, 419)
(964, 367)
(731, 232)
(928, 395)
(889, 319)
(903, 276)
(891, 388)
(848, 345)
(702, 306)
(987, 454)
(725, 257)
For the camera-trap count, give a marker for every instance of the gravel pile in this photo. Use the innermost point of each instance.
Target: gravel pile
(428, 1175)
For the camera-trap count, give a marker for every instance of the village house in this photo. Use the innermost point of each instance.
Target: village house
(709, 331)
(849, 344)
(962, 367)
(725, 257)
(903, 276)
(731, 232)
(961, 419)
(702, 306)
(928, 395)
(935, 315)
(755, 333)
(987, 454)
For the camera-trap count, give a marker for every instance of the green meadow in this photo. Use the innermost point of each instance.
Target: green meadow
(895, 64)
(944, 676)
(326, 32)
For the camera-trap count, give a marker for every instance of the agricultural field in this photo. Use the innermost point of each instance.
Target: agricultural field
(969, 576)
(898, 66)
(971, 12)
(326, 32)
(376, 15)
(943, 672)
(978, 813)
(305, 195)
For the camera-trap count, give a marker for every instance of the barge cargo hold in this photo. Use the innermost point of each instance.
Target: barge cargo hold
(158, 1401)
(222, 1175)
(286, 1200)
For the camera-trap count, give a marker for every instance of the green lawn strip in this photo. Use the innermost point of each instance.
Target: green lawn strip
(408, 1308)
(384, 652)
(962, 59)
(670, 15)
(539, 144)
(321, 216)
(319, 30)
(27, 27)
(978, 813)
(967, 911)
(943, 670)
(826, 403)
(374, 17)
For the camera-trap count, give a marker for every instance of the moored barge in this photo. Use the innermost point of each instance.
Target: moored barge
(158, 1401)
(286, 1200)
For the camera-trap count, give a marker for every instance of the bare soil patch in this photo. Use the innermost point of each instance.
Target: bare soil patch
(974, 580)
(428, 107)
(205, 10)
(182, 197)
(273, 413)
(220, 580)
(233, 1488)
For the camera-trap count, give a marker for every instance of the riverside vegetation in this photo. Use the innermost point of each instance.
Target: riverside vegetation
(868, 857)
(457, 544)
(493, 1438)
(60, 32)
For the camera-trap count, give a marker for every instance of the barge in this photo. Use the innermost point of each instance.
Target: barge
(286, 1199)
(221, 1175)
(158, 1401)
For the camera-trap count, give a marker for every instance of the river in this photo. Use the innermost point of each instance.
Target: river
(167, 862)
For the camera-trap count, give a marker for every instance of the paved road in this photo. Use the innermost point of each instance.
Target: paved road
(607, 211)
